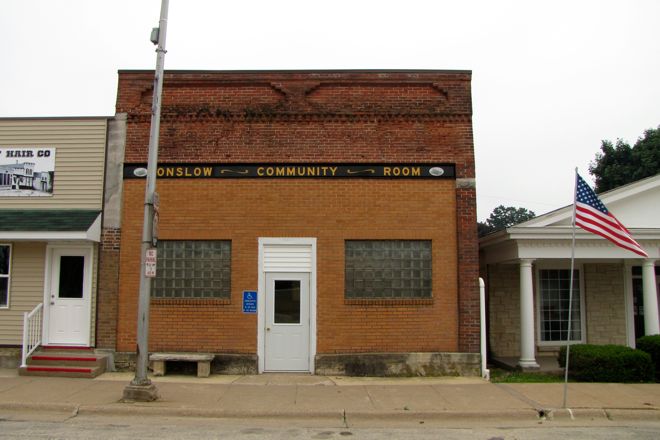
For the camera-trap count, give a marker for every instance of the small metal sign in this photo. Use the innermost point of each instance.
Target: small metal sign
(150, 263)
(155, 219)
(249, 301)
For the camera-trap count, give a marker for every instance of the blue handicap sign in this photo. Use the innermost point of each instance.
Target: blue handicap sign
(249, 301)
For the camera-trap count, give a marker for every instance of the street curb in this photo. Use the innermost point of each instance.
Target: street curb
(53, 407)
(445, 415)
(140, 409)
(612, 414)
(153, 409)
(529, 414)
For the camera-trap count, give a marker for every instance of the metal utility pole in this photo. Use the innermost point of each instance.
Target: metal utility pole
(141, 388)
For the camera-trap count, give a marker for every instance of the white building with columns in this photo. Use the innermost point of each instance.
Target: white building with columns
(615, 292)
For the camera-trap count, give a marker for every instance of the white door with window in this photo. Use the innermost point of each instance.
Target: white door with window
(287, 322)
(68, 296)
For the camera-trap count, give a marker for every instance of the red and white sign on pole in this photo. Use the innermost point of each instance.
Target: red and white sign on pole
(150, 264)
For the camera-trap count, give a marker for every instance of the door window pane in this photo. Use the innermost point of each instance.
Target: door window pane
(71, 276)
(4, 291)
(5, 256)
(287, 302)
(4, 260)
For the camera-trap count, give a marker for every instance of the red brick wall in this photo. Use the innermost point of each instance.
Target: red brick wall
(217, 117)
(106, 322)
(331, 211)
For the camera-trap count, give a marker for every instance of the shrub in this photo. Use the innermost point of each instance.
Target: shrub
(608, 363)
(651, 345)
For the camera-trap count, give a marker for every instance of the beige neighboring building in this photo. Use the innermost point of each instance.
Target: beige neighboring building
(51, 197)
(527, 270)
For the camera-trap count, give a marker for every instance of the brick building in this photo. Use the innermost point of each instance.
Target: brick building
(320, 221)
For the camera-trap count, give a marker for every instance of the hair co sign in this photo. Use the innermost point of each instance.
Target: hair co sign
(26, 172)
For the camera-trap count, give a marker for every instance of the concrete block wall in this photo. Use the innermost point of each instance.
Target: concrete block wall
(605, 304)
(504, 310)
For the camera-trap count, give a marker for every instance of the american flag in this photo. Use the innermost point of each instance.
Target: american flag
(592, 216)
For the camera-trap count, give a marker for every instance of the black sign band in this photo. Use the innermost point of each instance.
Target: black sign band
(295, 170)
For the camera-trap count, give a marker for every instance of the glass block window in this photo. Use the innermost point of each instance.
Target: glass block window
(388, 269)
(193, 269)
(5, 265)
(554, 292)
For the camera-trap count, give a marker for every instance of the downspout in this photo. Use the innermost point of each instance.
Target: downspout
(485, 372)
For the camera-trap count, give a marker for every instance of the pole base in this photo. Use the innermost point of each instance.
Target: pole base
(140, 393)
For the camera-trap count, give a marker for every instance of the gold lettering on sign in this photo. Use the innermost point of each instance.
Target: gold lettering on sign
(291, 171)
(402, 171)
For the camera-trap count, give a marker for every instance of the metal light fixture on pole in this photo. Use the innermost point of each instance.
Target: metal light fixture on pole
(141, 388)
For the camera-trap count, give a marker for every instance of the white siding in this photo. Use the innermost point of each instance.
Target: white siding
(79, 159)
(287, 258)
(26, 289)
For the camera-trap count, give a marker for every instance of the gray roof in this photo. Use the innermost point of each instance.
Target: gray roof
(47, 219)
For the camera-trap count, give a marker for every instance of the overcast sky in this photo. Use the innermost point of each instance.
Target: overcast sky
(550, 79)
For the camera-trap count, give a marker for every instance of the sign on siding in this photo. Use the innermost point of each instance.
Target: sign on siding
(26, 172)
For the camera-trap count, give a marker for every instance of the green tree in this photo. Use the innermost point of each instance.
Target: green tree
(619, 164)
(502, 217)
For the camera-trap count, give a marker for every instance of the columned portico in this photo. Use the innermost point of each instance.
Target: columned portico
(527, 358)
(651, 323)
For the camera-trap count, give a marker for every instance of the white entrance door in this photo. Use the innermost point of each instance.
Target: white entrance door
(287, 322)
(69, 297)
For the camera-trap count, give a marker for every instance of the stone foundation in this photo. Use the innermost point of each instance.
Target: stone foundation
(222, 363)
(10, 357)
(399, 364)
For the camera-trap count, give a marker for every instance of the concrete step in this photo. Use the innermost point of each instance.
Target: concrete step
(60, 371)
(64, 362)
(66, 349)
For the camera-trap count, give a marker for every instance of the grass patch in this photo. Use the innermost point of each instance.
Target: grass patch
(498, 375)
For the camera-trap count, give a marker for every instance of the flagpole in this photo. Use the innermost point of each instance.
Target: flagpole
(570, 292)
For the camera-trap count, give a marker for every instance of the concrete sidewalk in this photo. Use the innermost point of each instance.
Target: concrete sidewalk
(303, 396)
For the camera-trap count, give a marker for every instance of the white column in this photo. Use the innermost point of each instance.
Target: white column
(651, 324)
(527, 359)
